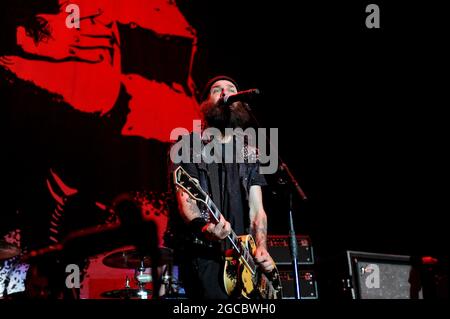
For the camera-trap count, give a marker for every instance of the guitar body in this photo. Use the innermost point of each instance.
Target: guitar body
(239, 280)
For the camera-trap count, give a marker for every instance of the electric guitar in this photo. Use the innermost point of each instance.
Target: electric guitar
(242, 276)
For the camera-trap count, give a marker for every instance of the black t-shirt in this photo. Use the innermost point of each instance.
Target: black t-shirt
(234, 185)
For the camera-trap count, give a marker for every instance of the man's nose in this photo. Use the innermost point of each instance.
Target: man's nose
(100, 16)
(105, 17)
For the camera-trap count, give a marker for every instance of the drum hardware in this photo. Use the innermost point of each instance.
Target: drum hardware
(8, 250)
(142, 277)
(127, 293)
(133, 259)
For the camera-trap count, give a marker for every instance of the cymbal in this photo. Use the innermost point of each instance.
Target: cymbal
(8, 250)
(125, 293)
(132, 259)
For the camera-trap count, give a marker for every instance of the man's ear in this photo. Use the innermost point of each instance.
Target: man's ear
(23, 40)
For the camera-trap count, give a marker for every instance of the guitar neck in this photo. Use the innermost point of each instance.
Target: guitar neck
(215, 213)
(233, 238)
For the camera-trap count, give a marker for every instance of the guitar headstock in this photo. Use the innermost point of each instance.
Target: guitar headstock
(183, 180)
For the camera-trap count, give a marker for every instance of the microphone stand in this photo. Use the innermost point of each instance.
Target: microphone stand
(293, 245)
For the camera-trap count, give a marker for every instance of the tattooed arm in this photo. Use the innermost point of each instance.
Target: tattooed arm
(189, 212)
(258, 226)
(187, 206)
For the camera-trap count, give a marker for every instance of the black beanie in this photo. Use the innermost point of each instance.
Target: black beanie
(210, 83)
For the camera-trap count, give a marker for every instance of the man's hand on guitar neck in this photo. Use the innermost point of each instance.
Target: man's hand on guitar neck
(217, 231)
(263, 259)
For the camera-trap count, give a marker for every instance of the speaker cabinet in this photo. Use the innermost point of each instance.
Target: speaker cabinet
(382, 276)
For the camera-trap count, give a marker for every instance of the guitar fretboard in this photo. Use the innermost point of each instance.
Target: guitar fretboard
(233, 238)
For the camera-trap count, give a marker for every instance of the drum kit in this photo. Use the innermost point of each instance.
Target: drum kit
(152, 264)
(132, 259)
(144, 267)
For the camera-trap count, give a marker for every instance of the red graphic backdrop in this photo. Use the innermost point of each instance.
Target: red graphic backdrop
(90, 111)
(85, 66)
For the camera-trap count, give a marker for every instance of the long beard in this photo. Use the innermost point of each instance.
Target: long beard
(230, 116)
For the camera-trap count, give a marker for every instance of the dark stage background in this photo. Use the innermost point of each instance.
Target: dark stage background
(360, 115)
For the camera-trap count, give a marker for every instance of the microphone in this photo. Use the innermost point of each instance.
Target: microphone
(243, 96)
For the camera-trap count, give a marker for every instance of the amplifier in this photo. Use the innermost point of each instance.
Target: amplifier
(278, 247)
(308, 283)
(382, 276)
